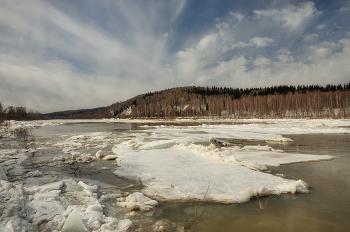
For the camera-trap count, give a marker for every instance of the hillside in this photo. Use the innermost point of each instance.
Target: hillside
(313, 101)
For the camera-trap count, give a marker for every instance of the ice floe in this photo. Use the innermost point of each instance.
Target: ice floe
(171, 174)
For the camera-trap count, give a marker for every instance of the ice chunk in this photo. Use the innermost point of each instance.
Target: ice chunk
(35, 173)
(8, 152)
(292, 187)
(257, 148)
(159, 144)
(278, 139)
(133, 143)
(95, 208)
(74, 223)
(137, 201)
(99, 154)
(9, 227)
(67, 150)
(85, 158)
(110, 157)
(2, 174)
(72, 186)
(263, 191)
(51, 186)
(124, 224)
(120, 148)
(59, 158)
(88, 187)
(6, 185)
(75, 154)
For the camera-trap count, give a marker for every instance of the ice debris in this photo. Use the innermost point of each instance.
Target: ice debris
(278, 139)
(100, 154)
(74, 223)
(110, 157)
(2, 174)
(137, 201)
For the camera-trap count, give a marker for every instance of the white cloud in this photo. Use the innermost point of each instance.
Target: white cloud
(222, 25)
(259, 42)
(320, 26)
(192, 60)
(225, 72)
(96, 63)
(323, 50)
(207, 41)
(330, 68)
(239, 16)
(262, 61)
(291, 16)
(55, 56)
(346, 7)
(285, 56)
(309, 36)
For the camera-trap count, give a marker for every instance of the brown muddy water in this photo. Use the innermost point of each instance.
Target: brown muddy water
(325, 208)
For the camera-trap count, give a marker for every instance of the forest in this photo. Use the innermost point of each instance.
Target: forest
(18, 113)
(311, 101)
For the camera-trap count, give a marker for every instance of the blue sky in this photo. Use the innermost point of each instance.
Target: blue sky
(61, 55)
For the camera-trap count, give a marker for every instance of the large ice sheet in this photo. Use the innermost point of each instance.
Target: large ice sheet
(174, 174)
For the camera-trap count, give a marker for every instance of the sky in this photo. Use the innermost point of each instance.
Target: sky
(63, 55)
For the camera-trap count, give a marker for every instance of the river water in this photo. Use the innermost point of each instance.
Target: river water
(325, 208)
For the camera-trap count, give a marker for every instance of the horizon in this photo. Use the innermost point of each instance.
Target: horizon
(58, 56)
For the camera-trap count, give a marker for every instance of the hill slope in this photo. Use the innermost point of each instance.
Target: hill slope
(270, 102)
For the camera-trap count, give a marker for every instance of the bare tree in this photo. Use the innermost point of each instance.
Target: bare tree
(26, 139)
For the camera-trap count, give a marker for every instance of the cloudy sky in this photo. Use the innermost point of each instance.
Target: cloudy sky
(61, 55)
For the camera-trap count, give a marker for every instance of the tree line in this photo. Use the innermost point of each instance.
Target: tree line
(18, 113)
(311, 101)
(302, 101)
